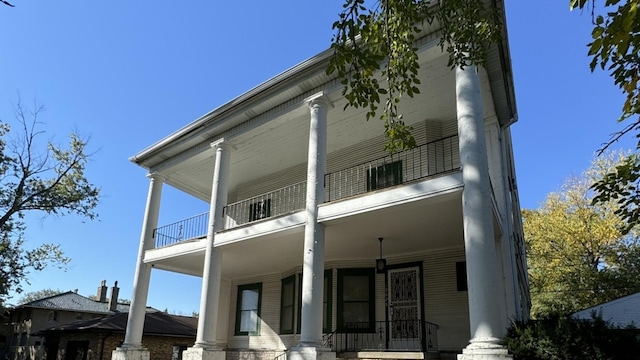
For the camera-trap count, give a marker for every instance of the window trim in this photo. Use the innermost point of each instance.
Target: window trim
(241, 288)
(370, 273)
(290, 280)
(388, 171)
(328, 275)
(259, 210)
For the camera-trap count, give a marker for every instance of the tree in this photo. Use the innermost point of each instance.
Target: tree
(37, 295)
(615, 47)
(379, 36)
(48, 179)
(577, 254)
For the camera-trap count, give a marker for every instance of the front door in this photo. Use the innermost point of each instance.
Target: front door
(404, 308)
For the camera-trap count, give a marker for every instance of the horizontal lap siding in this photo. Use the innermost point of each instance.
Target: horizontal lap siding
(443, 304)
(356, 154)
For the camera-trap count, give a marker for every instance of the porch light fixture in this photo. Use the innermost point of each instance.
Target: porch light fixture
(381, 264)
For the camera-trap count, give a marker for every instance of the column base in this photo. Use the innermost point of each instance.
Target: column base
(130, 353)
(310, 353)
(200, 353)
(477, 351)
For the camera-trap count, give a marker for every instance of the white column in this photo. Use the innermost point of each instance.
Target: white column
(479, 239)
(310, 346)
(205, 346)
(132, 346)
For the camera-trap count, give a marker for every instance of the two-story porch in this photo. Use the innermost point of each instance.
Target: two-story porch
(304, 200)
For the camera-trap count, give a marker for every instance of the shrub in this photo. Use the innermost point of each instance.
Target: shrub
(563, 338)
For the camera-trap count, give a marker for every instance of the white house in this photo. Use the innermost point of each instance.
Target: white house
(621, 312)
(304, 201)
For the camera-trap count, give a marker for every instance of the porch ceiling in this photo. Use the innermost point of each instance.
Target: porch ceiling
(416, 227)
(280, 140)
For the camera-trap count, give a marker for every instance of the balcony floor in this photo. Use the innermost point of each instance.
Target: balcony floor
(418, 217)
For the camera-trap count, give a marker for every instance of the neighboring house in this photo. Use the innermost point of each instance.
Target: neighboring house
(167, 336)
(26, 320)
(319, 243)
(621, 312)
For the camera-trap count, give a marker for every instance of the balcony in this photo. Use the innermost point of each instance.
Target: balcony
(430, 159)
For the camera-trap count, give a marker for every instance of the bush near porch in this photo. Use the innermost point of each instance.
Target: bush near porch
(564, 338)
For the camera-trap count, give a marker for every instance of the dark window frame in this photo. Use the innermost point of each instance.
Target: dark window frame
(288, 328)
(239, 310)
(385, 175)
(259, 210)
(461, 276)
(370, 274)
(327, 317)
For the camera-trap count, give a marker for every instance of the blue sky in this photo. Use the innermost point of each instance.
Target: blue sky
(127, 73)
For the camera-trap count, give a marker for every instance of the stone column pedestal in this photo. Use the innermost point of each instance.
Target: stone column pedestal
(199, 353)
(310, 353)
(130, 353)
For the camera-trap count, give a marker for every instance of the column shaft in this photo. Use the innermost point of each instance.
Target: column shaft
(313, 266)
(212, 273)
(142, 277)
(479, 238)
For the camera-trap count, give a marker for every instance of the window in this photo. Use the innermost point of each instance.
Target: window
(260, 210)
(384, 176)
(53, 316)
(356, 299)
(461, 275)
(287, 304)
(248, 309)
(327, 299)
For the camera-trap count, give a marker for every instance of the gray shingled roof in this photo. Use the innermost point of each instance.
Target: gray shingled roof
(70, 301)
(155, 323)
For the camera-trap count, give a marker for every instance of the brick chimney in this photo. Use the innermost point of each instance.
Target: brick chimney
(113, 300)
(102, 292)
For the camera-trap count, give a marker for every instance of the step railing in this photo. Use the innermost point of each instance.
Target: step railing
(397, 335)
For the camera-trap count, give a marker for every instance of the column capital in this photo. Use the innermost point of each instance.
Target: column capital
(320, 98)
(154, 175)
(222, 143)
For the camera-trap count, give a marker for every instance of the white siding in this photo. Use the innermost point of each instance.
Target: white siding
(443, 304)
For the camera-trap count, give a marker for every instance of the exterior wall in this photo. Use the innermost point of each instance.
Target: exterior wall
(29, 321)
(442, 303)
(102, 345)
(369, 150)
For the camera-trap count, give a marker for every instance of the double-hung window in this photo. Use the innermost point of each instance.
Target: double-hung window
(287, 304)
(383, 176)
(248, 309)
(327, 298)
(260, 210)
(356, 295)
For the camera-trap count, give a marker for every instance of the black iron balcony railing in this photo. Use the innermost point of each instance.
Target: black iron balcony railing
(286, 200)
(399, 335)
(193, 227)
(430, 159)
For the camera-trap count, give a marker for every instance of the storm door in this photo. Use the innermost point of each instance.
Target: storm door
(404, 308)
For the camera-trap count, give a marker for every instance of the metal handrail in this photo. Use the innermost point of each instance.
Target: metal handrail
(432, 158)
(397, 335)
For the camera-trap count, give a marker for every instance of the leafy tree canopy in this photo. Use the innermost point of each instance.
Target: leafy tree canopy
(37, 177)
(577, 254)
(380, 38)
(377, 60)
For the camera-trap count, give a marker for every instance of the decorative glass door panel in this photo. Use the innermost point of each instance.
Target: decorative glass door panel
(404, 308)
